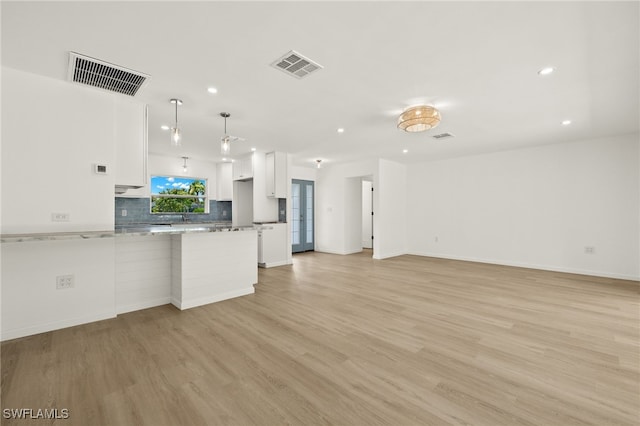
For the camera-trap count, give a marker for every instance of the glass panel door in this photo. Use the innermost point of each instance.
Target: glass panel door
(302, 227)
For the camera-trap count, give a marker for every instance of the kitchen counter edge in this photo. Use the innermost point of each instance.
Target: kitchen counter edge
(124, 232)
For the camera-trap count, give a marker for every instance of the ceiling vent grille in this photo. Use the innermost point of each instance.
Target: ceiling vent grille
(443, 135)
(103, 75)
(296, 64)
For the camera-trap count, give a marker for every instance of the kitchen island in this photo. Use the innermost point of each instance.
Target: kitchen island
(200, 263)
(123, 270)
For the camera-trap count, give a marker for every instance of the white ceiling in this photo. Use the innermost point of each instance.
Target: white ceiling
(476, 61)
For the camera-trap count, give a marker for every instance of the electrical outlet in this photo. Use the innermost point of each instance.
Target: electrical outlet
(224, 213)
(123, 212)
(60, 217)
(65, 281)
(436, 239)
(589, 250)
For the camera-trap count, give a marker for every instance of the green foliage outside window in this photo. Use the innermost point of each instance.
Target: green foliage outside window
(178, 195)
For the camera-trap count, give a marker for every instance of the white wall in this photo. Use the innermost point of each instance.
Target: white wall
(389, 219)
(334, 209)
(265, 209)
(53, 132)
(538, 207)
(304, 173)
(31, 303)
(159, 165)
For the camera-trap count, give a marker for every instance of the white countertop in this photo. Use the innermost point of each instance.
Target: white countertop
(130, 230)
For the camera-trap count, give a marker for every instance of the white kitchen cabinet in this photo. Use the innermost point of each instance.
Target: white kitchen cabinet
(130, 144)
(243, 168)
(224, 182)
(273, 249)
(276, 174)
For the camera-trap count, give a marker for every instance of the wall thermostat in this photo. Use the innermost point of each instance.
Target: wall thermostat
(100, 169)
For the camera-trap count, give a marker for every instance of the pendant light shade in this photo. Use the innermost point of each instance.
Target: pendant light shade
(419, 119)
(225, 142)
(225, 146)
(176, 136)
(176, 133)
(184, 165)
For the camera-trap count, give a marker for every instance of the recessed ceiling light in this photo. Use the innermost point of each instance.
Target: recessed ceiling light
(164, 127)
(224, 159)
(253, 149)
(404, 151)
(566, 122)
(546, 70)
(212, 90)
(340, 130)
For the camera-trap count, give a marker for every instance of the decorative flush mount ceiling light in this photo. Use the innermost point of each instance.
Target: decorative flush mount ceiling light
(419, 118)
(176, 134)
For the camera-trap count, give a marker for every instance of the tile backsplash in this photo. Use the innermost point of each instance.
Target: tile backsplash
(282, 209)
(138, 211)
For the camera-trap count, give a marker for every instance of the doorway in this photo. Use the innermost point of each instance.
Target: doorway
(367, 214)
(302, 226)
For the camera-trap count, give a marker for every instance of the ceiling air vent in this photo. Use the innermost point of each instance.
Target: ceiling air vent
(103, 75)
(296, 65)
(443, 135)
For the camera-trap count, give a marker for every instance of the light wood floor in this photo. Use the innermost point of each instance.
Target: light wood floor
(348, 340)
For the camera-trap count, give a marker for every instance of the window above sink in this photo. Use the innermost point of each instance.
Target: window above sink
(179, 195)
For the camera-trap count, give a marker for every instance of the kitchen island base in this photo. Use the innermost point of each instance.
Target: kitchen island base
(211, 267)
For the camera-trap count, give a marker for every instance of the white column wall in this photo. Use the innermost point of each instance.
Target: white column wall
(391, 216)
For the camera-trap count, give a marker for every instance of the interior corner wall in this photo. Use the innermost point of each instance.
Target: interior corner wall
(539, 207)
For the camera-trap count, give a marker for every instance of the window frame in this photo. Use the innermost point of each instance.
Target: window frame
(204, 197)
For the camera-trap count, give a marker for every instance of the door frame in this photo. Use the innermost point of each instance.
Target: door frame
(303, 245)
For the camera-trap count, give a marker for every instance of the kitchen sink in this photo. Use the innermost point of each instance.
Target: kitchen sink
(197, 226)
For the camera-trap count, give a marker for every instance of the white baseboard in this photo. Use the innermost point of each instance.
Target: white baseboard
(531, 266)
(212, 299)
(142, 305)
(388, 255)
(57, 325)
(274, 264)
(342, 253)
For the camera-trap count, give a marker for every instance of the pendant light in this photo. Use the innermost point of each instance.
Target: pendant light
(176, 134)
(184, 165)
(225, 144)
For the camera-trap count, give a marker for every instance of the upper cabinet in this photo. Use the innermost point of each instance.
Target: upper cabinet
(223, 182)
(276, 174)
(243, 168)
(130, 144)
